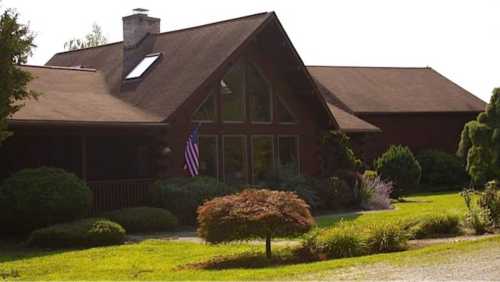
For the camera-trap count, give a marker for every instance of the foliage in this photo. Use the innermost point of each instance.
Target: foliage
(441, 169)
(88, 232)
(477, 218)
(370, 174)
(16, 43)
(254, 214)
(375, 193)
(337, 154)
(490, 200)
(336, 192)
(301, 185)
(143, 219)
(182, 196)
(436, 225)
(92, 39)
(385, 237)
(480, 143)
(34, 198)
(399, 165)
(339, 242)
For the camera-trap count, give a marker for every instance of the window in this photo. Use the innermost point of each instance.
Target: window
(143, 66)
(284, 115)
(262, 159)
(235, 160)
(233, 97)
(208, 155)
(208, 109)
(259, 96)
(288, 156)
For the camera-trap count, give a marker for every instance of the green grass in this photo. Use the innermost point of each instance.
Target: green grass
(412, 207)
(167, 260)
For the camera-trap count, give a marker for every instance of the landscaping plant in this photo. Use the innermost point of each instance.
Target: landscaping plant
(399, 165)
(375, 193)
(88, 232)
(436, 225)
(34, 198)
(339, 242)
(254, 214)
(477, 217)
(480, 143)
(441, 169)
(385, 237)
(143, 219)
(490, 200)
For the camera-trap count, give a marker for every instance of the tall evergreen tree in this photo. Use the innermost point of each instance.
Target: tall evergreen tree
(480, 143)
(16, 43)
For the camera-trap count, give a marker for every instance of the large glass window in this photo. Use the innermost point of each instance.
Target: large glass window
(259, 96)
(208, 155)
(284, 115)
(235, 160)
(207, 112)
(262, 159)
(288, 156)
(232, 91)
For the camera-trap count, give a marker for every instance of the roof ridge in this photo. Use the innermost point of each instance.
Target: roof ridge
(59, 68)
(374, 67)
(173, 31)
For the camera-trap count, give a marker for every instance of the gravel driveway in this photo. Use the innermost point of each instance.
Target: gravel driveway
(478, 265)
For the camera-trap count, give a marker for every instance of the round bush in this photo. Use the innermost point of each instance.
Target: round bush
(83, 233)
(254, 214)
(440, 168)
(399, 165)
(34, 198)
(182, 196)
(143, 219)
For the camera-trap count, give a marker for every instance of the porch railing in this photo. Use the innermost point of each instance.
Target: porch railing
(117, 194)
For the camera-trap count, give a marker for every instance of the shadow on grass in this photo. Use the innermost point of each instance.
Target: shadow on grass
(251, 260)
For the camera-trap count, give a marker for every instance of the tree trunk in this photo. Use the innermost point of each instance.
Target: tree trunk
(268, 246)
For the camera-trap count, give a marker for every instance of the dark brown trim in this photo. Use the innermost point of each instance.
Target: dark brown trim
(15, 122)
(418, 113)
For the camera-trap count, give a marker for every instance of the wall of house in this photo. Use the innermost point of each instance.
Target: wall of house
(424, 131)
(309, 124)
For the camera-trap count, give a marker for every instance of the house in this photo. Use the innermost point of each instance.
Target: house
(118, 115)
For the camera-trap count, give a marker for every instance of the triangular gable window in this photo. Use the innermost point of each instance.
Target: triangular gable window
(208, 109)
(284, 115)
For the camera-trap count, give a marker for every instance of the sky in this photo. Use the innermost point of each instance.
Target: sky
(459, 39)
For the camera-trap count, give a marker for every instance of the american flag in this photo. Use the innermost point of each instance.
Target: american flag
(192, 154)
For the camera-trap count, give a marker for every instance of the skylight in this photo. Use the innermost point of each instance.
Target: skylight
(143, 66)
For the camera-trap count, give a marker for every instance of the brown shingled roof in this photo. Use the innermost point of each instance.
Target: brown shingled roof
(76, 95)
(189, 57)
(350, 123)
(394, 90)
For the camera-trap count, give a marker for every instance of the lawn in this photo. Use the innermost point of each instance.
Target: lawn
(168, 260)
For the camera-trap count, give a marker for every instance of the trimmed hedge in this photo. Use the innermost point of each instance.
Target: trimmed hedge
(441, 169)
(182, 196)
(84, 233)
(399, 165)
(143, 219)
(34, 198)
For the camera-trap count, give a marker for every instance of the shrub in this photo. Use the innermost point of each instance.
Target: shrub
(34, 198)
(369, 174)
(182, 196)
(490, 200)
(337, 154)
(375, 193)
(388, 237)
(440, 168)
(83, 233)
(254, 214)
(143, 219)
(399, 165)
(436, 225)
(477, 218)
(339, 242)
(300, 185)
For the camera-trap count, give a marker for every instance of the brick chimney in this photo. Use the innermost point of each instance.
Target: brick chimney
(137, 26)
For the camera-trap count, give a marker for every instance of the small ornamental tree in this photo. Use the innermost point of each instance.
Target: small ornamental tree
(254, 214)
(480, 143)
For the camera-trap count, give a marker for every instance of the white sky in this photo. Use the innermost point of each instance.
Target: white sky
(460, 39)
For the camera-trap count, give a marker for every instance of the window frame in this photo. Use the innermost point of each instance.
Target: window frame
(271, 94)
(297, 145)
(245, 150)
(155, 55)
(216, 150)
(285, 105)
(244, 94)
(213, 93)
(252, 137)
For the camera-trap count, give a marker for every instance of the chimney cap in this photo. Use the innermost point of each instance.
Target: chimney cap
(140, 11)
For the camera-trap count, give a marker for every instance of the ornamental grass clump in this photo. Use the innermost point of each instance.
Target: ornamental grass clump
(375, 193)
(385, 237)
(339, 242)
(254, 214)
(436, 225)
